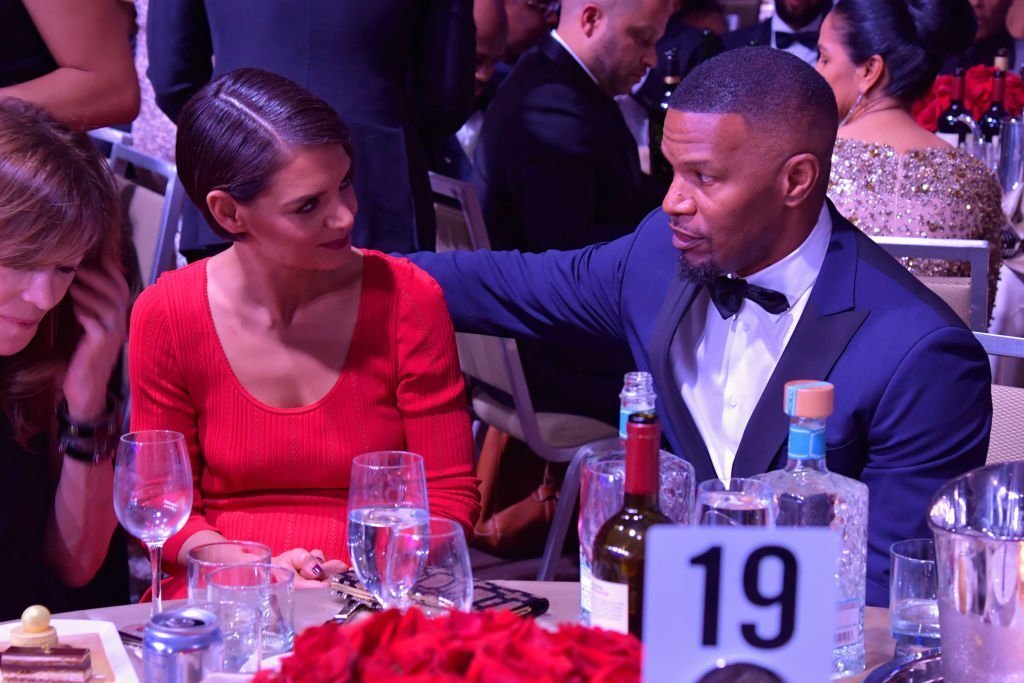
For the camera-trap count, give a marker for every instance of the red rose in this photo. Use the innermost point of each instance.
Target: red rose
(978, 92)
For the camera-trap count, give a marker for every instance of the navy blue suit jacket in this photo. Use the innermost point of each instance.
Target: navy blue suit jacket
(913, 405)
(400, 75)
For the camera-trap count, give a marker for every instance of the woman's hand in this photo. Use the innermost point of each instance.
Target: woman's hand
(100, 296)
(310, 567)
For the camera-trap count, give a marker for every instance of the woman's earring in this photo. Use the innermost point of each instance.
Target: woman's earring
(856, 103)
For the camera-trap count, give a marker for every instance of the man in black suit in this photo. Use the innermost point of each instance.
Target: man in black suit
(794, 28)
(400, 74)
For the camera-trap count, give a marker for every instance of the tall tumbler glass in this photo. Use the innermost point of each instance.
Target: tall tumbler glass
(736, 502)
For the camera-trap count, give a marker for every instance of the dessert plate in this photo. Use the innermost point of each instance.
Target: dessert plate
(115, 653)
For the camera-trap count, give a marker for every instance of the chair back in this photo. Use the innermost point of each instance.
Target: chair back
(153, 211)
(1006, 443)
(968, 297)
(104, 139)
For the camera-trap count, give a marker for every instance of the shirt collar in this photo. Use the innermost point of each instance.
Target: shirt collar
(779, 25)
(797, 272)
(554, 34)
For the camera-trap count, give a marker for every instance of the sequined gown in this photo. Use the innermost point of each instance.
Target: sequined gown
(931, 192)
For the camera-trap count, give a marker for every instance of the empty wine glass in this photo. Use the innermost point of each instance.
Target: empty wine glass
(736, 502)
(153, 492)
(428, 566)
(388, 489)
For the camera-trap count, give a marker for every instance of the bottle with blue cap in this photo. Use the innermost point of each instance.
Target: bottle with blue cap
(808, 494)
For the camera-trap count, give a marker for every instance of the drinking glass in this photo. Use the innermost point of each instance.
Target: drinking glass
(243, 637)
(913, 595)
(267, 588)
(736, 502)
(204, 559)
(153, 492)
(388, 490)
(428, 566)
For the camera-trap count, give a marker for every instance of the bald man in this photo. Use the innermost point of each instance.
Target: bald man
(748, 278)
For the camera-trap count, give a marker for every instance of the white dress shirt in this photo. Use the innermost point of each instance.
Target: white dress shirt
(797, 49)
(722, 366)
(554, 34)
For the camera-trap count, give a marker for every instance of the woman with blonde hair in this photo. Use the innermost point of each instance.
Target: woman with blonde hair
(63, 299)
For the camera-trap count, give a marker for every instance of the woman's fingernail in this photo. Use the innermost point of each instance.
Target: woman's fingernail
(317, 570)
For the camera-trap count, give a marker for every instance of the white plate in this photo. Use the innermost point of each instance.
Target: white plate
(116, 654)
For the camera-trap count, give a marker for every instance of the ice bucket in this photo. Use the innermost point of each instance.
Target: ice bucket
(978, 521)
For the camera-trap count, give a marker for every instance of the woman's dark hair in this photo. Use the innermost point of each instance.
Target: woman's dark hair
(58, 204)
(913, 37)
(235, 133)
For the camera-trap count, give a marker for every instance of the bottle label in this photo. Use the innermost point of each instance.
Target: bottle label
(609, 605)
(849, 616)
(624, 414)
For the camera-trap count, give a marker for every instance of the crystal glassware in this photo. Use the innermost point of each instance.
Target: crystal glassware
(913, 597)
(736, 502)
(388, 489)
(204, 559)
(153, 492)
(269, 589)
(428, 566)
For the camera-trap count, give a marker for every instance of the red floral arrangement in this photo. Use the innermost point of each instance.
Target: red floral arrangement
(977, 96)
(478, 647)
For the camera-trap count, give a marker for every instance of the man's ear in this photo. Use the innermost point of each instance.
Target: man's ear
(799, 178)
(226, 211)
(590, 19)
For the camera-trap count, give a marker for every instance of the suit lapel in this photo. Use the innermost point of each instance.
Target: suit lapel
(682, 431)
(825, 328)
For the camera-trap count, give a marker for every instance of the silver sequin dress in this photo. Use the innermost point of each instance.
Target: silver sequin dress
(932, 192)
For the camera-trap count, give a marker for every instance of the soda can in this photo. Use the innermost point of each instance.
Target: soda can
(181, 646)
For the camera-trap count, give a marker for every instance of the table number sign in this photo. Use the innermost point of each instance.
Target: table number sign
(717, 596)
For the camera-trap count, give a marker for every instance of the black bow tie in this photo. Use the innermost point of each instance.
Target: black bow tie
(728, 293)
(784, 40)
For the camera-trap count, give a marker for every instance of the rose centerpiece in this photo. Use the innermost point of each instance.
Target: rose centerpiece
(478, 647)
(977, 96)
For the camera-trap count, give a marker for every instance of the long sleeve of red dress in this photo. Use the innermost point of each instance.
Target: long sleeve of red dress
(280, 476)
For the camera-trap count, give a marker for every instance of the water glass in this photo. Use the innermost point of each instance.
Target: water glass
(736, 502)
(388, 489)
(428, 566)
(913, 596)
(268, 588)
(204, 559)
(243, 638)
(153, 492)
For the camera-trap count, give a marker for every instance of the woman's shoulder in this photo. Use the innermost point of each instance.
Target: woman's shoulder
(399, 273)
(173, 291)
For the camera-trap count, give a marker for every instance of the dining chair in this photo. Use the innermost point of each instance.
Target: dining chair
(1005, 443)
(492, 363)
(967, 296)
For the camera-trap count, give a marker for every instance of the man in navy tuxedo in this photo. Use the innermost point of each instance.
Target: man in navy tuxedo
(748, 278)
(400, 74)
(794, 28)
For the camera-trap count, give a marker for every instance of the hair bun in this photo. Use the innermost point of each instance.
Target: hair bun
(943, 27)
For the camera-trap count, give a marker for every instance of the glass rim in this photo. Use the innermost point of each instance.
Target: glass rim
(408, 456)
(152, 436)
(727, 484)
(247, 544)
(453, 527)
(269, 566)
(904, 554)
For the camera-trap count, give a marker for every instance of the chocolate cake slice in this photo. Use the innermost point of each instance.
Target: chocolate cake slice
(34, 664)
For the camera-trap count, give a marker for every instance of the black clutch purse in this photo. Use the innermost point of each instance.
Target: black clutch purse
(486, 595)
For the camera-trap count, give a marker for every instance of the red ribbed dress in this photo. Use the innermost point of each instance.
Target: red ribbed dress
(281, 476)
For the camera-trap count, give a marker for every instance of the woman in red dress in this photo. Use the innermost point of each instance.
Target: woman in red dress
(292, 352)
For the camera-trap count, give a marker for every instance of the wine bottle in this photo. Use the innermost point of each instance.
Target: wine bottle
(991, 122)
(660, 167)
(807, 494)
(617, 590)
(951, 128)
(637, 396)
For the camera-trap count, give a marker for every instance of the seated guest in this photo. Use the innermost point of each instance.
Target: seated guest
(991, 37)
(889, 175)
(454, 157)
(59, 235)
(290, 353)
(750, 137)
(793, 28)
(72, 57)
(528, 22)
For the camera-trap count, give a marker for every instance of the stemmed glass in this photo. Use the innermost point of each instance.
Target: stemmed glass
(153, 492)
(388, 489)
(428, 565)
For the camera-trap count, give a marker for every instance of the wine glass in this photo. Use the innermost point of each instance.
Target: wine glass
(428, 566)
(153, 492)
(388, 489)
(735, 502)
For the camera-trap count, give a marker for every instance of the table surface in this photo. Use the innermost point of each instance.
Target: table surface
(315, 606)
